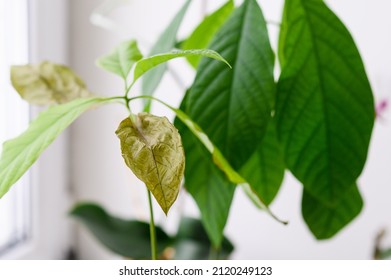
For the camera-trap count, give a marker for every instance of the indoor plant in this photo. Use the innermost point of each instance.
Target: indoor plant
(322, 145)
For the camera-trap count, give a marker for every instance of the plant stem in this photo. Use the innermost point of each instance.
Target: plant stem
(152, 229)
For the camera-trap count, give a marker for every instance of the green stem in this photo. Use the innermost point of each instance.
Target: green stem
(152, 228)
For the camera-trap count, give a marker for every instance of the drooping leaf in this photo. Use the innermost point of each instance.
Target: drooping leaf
(265, 169)
(234, 106)
(204, 32)
(152, 148)
(192, 242)
(127, 238)
(47, 83)
(325, 221)
(325, 108)
(121, 60)
(165, 43)
(146, 64)
(21, 152)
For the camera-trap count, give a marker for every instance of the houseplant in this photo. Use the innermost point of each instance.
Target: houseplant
(318, 124)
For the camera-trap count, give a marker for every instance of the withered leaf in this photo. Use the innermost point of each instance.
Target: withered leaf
(152, 149)
(47, 83)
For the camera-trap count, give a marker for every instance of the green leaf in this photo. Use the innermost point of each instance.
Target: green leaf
(165, 43)
(149, 63)
(47, 83)
(325, 108)
(203, 34)
(21, 152)
(152, 148)
(192, 242)
(207, 184)
(265, 169)
(121, 60)
(234, 106)
(325, 221)
(126, 238)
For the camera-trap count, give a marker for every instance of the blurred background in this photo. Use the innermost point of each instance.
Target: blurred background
(85, 163)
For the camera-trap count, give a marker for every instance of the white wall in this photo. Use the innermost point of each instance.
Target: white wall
(99, 174)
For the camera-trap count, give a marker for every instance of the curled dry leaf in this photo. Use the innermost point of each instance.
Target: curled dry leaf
(152, 149)
(47, 83)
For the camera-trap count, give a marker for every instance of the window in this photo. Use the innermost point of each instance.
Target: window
(14, 117)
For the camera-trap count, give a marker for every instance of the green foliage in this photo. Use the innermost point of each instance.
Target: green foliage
(233, 106)
(126, 238)
(20, 153)
(207, 184)
(130, 238)
(165, 43)
(152, 149)
(325, 221)
(122, 59)
(265, 168)
(203, 34)
(47, 83)
(154, 61)
(325, 108)
(236, 131)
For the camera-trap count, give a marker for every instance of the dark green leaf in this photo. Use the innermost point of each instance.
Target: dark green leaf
(325, 221)
(152, 149)
(208, 185)
(265, 169)
(325, 108)
(234, 106)
(203, 34)
(121, 60)
(47, 83)
(165, 43)
(20, 153)
(126, 238)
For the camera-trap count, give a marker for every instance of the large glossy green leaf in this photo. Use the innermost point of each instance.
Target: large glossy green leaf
(204, 32)
(127, 238)
(325, 221)
(325, 108)
(47, 83)
(121, 60)
(206, 183)
(152, 148)
(234, 106)
(21, 152)
(192, 242)
(147, 64)
(165, 43)
(265, 169)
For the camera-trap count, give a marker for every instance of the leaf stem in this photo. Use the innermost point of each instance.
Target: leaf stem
(152, 228)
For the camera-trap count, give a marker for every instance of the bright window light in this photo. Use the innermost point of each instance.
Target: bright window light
(15, 214)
